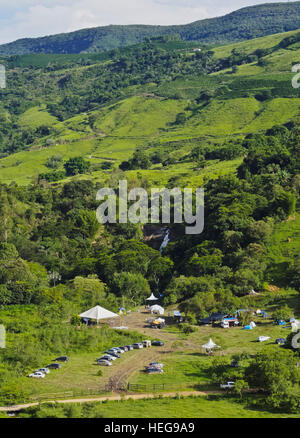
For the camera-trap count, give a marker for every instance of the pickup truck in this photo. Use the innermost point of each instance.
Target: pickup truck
(228, 385)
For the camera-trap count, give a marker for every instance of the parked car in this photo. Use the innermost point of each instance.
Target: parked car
(154, 370)
(157, 343)
(125, 348)
(263, 338)
(228, 385)
(130, 347)
(62, 359)
(37, 375)
(122, 350)
(118, 350)
(138, 345)
(113, 353)
(104, 363)
(43, 370)
(108, 357)
(54, 366)
(156, 365)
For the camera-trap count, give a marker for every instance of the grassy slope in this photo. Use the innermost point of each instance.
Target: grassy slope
(280, 252)
(252, 45)
(35, 117)
(135, 122)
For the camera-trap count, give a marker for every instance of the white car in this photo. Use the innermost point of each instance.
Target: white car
(156, 365)
(107, 357)
(43, 370)
(37, 375)
(228, 385)
(138, 346)
(118, 350)
(104, 363)
(263, 338)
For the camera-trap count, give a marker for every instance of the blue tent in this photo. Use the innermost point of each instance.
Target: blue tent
(247, 327)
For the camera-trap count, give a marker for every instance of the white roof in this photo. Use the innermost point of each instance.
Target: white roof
(98, 313)
(210, 345)
(152, 298)
(157, 309)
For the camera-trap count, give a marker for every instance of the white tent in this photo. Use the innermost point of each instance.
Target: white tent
(152, 298)
(97, 313)
(252, 324)
(210, 345)
(157, 309)
(295, 325)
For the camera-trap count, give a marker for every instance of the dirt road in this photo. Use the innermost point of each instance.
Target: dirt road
(17, 408)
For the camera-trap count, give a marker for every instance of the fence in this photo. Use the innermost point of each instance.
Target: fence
(130, 387)
(156, 387)
(69, 394)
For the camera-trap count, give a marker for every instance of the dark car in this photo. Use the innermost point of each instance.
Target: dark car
(157, 343)
(129, 347)
(125, 348)
(113, 353)
(62, 359)
(54, 366)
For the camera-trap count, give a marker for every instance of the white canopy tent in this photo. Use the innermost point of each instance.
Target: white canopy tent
(210, 345)
(98, 313)
(152, 298)
(157, 309)
(295, 325)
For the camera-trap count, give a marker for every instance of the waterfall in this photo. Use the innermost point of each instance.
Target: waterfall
(165, 241)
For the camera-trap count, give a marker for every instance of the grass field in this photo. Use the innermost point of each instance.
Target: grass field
(186, 364)
(189, 407)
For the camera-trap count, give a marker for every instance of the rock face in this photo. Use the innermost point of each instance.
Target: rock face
(155, 235)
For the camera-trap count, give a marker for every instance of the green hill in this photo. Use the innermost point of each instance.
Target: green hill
(244, 24)
(105, 109)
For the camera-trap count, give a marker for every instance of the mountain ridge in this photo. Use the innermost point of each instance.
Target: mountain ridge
(243, 24)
